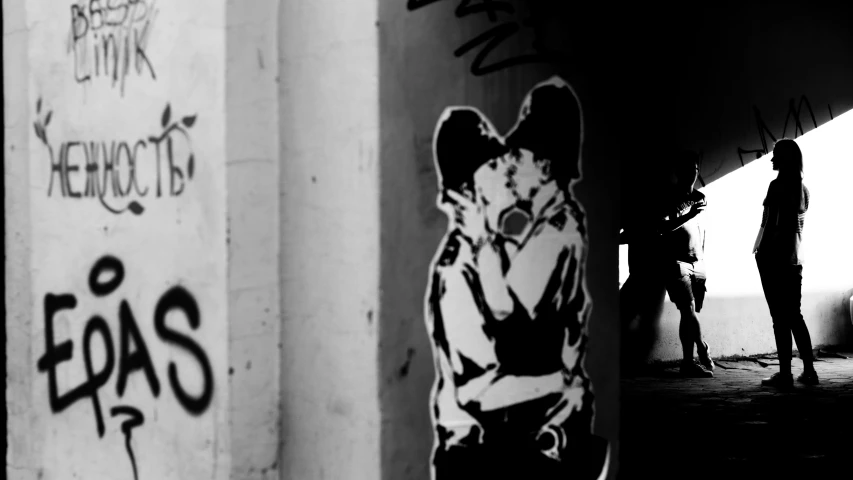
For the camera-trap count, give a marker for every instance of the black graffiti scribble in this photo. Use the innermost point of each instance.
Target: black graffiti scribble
(108, 37)
(492, 38)
(136, 419)
(103, 160)
(795, 111)
(105, 278)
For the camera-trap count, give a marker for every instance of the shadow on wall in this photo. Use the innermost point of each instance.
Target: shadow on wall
(735, 318)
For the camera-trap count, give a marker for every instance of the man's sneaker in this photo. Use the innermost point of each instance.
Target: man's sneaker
(705, 357)
(691, 369)
(808, 377)
(779, 380)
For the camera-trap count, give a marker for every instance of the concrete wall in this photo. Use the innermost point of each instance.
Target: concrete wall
(329, 218)
(20, 366)
(296, 242)
(128, 255)
(360, 97)
(308, 227)
(209, 236)
(252, 77)
(419, 76)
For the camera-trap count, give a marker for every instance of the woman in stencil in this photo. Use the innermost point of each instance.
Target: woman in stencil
(777, 253)
(506, 306)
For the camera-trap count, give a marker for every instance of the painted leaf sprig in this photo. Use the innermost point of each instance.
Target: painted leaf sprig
(167, 113)
(41, 133)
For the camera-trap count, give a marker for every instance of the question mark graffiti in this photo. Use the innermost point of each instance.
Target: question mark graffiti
(136, 419)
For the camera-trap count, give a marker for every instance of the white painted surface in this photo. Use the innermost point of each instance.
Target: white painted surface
(19, 320)
(330, 228)
(254, 300)
(179, 239)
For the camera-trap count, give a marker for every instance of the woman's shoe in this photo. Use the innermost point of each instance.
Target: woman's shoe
(808, 377)
(692, 369)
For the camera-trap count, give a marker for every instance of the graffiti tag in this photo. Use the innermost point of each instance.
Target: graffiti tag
(133, 356)
(102, 163)
(492, 38)
(794, 116)
(108, 38)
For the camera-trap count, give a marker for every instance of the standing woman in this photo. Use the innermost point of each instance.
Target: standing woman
(777, 253)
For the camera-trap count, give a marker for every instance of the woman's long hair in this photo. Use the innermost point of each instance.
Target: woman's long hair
(792, 166)
(789, 184)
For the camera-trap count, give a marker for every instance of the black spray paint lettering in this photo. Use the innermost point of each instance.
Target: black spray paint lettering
(101, 164)
(133, 354)
(136, 420)
(108, 39)
(794, 115)
(492, 38)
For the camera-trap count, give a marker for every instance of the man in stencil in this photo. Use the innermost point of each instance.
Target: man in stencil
(506, 305)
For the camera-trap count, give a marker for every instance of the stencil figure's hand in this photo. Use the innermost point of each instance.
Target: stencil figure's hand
(470, 218)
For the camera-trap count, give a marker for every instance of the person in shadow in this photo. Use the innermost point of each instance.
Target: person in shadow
(641, 296)
(780, 265)
(665, 253)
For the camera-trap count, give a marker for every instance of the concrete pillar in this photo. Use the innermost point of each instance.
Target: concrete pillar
(330, 227)
(19, 319)
(129, 343)
(363, 86)
(254, 298)
(176, 261)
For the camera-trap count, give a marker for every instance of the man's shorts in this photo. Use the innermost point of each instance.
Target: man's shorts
(685, 282)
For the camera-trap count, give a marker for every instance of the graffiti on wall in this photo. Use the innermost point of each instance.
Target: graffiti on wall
(794, 118)
(500, 32)
(105, 277)
(108, 40)
(129, 253)
(506, 305)
(114, 171)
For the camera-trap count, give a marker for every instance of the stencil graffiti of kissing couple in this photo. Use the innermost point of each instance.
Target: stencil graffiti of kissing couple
(506, 304)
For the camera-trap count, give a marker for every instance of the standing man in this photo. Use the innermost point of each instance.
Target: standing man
(684, 268)
(666, 254)
(506, 305)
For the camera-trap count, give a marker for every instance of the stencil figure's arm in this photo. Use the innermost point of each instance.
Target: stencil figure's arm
(472, 354)
(469, 349)
(495, 289)
(510, 390)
